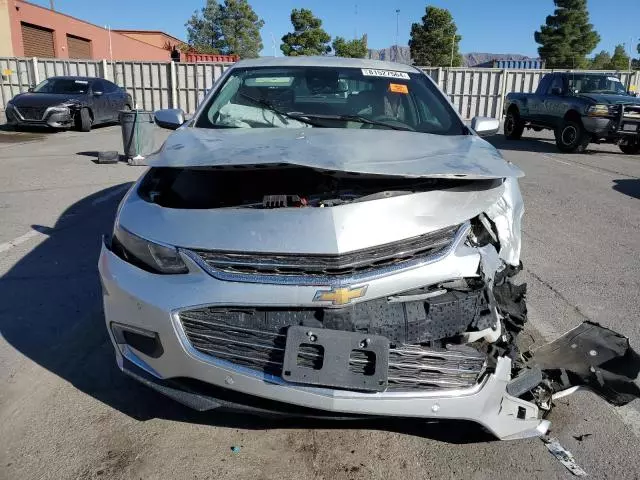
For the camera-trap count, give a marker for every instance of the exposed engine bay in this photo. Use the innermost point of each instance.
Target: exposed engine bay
(282, 186)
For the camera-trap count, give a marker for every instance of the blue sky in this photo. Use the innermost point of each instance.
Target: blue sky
(495, 26)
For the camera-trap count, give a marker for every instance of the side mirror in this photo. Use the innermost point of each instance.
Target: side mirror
(556, 91)
(30, 89)
(485, 126)
(97, 93)
(169, 118)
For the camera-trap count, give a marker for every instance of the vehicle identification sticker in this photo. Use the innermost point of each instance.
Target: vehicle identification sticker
(398, 88)
(372, 72)
(614, 79)
(81, 82)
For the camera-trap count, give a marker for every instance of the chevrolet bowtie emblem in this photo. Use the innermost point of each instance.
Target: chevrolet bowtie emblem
(340, 296)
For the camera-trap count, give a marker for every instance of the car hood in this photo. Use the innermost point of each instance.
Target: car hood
(31, 99)
(608, 99)
(366, 151)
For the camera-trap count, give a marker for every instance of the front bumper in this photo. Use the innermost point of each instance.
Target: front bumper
(50, 118)
(147, 301)
(625, 125)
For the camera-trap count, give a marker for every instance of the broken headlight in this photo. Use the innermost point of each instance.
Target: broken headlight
(147, 255)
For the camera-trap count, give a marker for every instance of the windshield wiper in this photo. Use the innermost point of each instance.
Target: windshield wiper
(276, 110)
(352, 118)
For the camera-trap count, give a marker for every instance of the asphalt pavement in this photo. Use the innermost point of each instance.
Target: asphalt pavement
(67, 412)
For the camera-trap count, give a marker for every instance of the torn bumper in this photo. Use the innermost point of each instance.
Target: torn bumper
(149, 303)
(52, 117)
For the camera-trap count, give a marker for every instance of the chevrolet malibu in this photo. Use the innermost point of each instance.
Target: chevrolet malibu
(326, 237)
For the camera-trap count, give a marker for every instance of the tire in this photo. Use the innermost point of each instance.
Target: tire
(571, 137)
(630, 148)
(513, 126)
(83, 120)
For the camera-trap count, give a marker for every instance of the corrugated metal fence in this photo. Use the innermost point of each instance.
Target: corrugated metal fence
(155, 85)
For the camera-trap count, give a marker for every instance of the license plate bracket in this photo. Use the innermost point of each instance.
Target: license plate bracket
(323, 357)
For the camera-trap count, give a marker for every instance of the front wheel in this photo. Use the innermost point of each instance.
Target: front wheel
(571, 137)
(83, 120)
(513, 126)
(630, 148)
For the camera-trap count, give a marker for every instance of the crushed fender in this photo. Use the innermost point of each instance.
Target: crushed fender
(590, 356)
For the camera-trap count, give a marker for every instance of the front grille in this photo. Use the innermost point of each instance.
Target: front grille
(259, 344)
(352, 263)
(32, 113)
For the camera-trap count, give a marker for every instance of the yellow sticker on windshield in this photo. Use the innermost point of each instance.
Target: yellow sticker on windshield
(398, 88)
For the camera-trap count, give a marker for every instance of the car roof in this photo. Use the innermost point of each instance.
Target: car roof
(328, 61)
(70, 77)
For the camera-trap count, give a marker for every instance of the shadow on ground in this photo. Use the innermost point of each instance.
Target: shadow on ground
(51, 312)
(628, 186)
(525, 144)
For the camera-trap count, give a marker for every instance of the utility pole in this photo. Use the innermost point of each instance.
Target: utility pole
(453, 44)
(397, 31)
(273, 44)
(52, 5)
(356, 22)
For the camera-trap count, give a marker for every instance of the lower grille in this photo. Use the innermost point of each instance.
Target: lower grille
(32, 113)
(410, 366)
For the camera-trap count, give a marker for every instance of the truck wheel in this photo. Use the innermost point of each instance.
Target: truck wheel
(630, 148)
(513, 126)
(571, 137)
(83, 120)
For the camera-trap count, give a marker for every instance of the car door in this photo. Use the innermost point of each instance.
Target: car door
(553, 103)
(116, 99)
(99, 99)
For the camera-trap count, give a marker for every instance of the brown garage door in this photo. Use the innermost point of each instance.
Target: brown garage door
(37, 41)
(78, 47)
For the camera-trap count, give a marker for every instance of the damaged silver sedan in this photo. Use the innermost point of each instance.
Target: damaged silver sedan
(326, 238)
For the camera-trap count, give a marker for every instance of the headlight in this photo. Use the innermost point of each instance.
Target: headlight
(59, 108)
(599, 111)
(145, 254)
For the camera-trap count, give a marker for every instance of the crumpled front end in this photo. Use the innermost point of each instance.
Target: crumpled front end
(362, 304)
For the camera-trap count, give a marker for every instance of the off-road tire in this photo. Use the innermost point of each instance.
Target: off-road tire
(83, 120)
(630, 148)
(513, 126)
(571, 137)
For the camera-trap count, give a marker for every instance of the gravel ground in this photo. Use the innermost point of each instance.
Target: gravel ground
(67, 412)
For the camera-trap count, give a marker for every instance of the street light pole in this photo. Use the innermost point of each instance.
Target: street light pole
(453, 44)
(397, 31)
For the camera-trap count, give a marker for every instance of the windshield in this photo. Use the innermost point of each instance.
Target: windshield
(312, 97)
(596, 84)
(62, 85)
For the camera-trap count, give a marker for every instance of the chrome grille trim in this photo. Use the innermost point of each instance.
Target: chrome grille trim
(411, 367)
(425, 256)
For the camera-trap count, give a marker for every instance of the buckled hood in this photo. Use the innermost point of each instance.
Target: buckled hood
(366, 151)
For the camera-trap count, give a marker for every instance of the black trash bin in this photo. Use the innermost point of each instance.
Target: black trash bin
(137, 132)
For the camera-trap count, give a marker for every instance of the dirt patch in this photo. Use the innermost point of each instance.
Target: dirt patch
(20, 137)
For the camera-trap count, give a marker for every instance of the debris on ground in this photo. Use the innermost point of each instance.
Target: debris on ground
(582, 437)
(565, 456)
(235, 449)
(108, 157)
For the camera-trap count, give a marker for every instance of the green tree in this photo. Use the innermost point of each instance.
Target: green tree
(204, 32)
(620, 59)
(308, 37)
(232, 28)
(356, 48)
(432, 40)
(240, 27)
(567, 37)
(600, 61)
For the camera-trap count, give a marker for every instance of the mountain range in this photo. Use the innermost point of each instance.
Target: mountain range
(402, 54)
